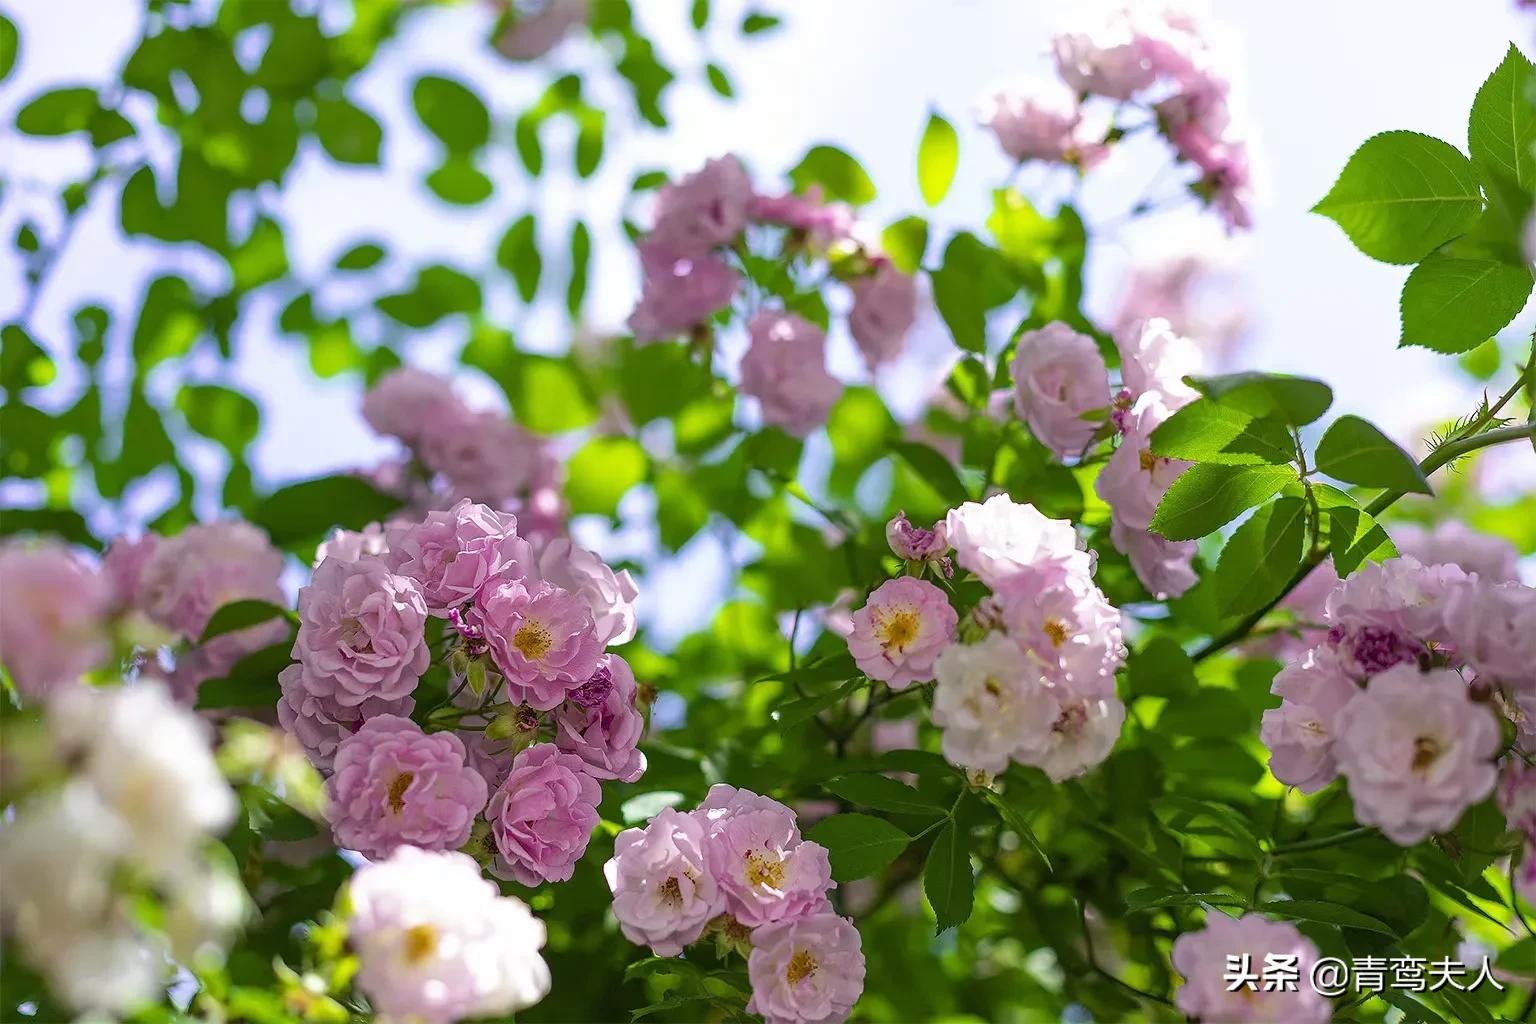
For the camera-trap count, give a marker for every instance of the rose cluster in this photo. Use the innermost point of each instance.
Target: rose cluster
(152, 597)
(1405, 693)
(1062, 391)
(1034, 681)
(1157, 58)
(436, 942)
(689, 260)
(542, 712)
(118, 816)
(1212, 992)
(454, 451)
(737, 868)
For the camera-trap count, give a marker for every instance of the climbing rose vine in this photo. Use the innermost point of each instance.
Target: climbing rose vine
(685, 661)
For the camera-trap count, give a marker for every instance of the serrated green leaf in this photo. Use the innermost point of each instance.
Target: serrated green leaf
(1403, 194)
(1261, 556)
(1207, 497)
(938, 155)
(1321, 912)
(1502, 128)
(801, 709)
(1353, 537)
(1452, 304)
(1354, 451)
(1207, 431)
(1296, 400)
(879, 793)
(948, 881)
(858, 844)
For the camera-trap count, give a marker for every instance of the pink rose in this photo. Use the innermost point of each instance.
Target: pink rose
(1154, 361)
(609, 595)
(679, 292)
(204, 567)
(405, 401)
(900, 631)
(482, 455)
(1300, 732)
(766, 870)
(806, 970)
(663, 882)
(526, 34)
(884, 309)
(1135, 480)
(1082, 732)
(452, 554)
(124, 564)
(541, 639)
(542, 816)
(1493, 559)
(600, 724)
(1042, 122)
(1165, 567)
(320, 723)
(705, 210)
(785, 370)
(395, 785)
(54, 625)
(1417, 751)
(362, 632)
(1207, 993)
(915, 544)
(824, 223)
(1000, 538)
(1066, 629)
(989, 705)
(352, 545)
(1493, 628)
(1061, 387)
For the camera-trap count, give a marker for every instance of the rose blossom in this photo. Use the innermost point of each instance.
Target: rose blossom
(1165, 567)
(540, 637)
(352, 545)
(900, 630)
(1059, 379)
(361, 632)
(884, 309)
(123, 566)
(1109, 60)
(703, 211)
(395, 785)
(915, 544)
(679, 292)
(1300, 732)
(785, 370)
(989, 704)
(1067, 629)
(766, 870)
(320, 723)
(203, 568)
(437, 943)
(1082, 732)
(406, 400)
(807, 970)
(1416, 750)
(1493, 559)
(1493, 628)
(1000, 538)
(528, 34)
(452, 554)
(1384, 614)
(543, 815)
(1202, 958)
(1154, 361)
(823, 223)
(604, 731)
(1134, 480)
(610, 595)
(663, 882)
(482, 454)
(54, 622)
(1041, 121)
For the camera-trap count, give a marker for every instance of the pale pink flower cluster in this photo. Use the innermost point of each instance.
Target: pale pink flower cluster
(737, 864)
(688, 261)
(1402, 697)
(55, 615)
(455, 451)
(437, 943)
(1153, 364)
(1060, 387)
(1044, 121)
(1038, 686)
(1206, 959)
(550, 715)
(1517, 799)
(1162, 57)
(525, 33)
(900, 631)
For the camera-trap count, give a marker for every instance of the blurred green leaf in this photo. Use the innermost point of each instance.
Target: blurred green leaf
(938, 155)
(220, 414)
(601, 472)
(58, 112)
(452, 111)
(947, 878)
(349, 134)
(306, 510)
(518, 254)
(838, 174)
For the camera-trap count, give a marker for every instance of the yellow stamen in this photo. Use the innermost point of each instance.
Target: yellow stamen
(671, 892)
(420, 943)
(397, 791)
(898, 629)
(801, 966)
(1425, 751)
(764, 869)
(1056, 630)
(533, 640)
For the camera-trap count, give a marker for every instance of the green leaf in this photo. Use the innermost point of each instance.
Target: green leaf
(947, 879)
(839, 175)
(306, 510)
(756, 22)
(937, 471)
(973, 279)
(518, 254)
(719, 80)
(791, 713)
(1208, 713)
(238, 615)
(1354, 451)
(1015, 820)
(460, 182)
(1261, 556)
(58, 112)
(882, 794)
(451, 111)
(438, 291)
(581, 257)
(647, 805)
(591, 124)
(252, 683)
(858, 844)
(548, 394)
(602, 472)
(1321, 912)
(360, 257)
(1353, 537)
(1453, 304)
(1296, 400)
(10, 46)
(1155, 897)
(698, 16)
(904, 242)
(262, 258)
(220, 414)
(1161, 669)
(1208, 431)
(1502, 128)
(1402, 195)
(1207, 497)
(348, 133)
(938, 154)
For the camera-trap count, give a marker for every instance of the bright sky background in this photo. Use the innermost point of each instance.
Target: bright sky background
(1319, 76)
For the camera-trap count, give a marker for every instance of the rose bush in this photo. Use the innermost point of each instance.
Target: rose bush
(1105, 686)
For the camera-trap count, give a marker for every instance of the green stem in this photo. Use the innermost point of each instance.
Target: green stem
(1325, 842)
